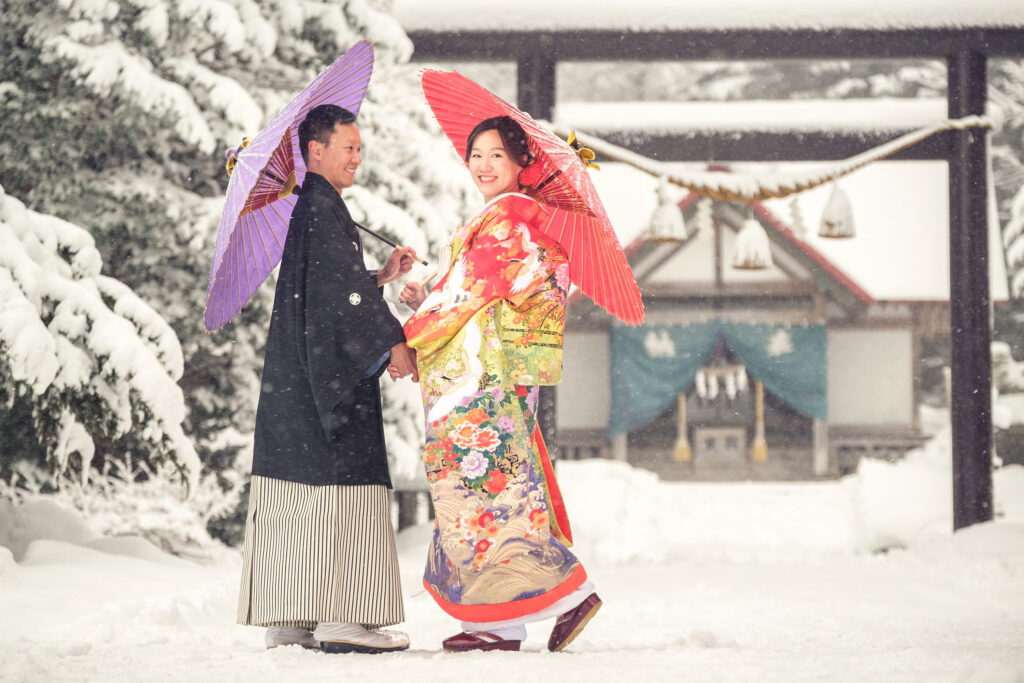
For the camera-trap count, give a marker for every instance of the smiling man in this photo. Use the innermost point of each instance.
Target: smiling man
(320, 567)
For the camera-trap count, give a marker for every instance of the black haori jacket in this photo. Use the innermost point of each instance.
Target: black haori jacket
(318, 422)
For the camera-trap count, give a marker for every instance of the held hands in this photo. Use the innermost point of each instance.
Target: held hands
(403, 362)
(398, 264)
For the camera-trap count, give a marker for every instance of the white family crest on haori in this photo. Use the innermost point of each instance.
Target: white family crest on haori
(659, 344)
(780, 344)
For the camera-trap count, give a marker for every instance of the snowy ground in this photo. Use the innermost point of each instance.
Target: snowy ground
(701, 582)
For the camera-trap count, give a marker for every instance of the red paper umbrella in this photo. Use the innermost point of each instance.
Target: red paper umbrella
(264, 173)
(578, 220)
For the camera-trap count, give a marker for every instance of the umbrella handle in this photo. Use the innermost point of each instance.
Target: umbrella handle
(424, 281)
(382, 238)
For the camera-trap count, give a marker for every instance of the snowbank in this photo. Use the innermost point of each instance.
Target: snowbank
(621, 514)
(734, 582)
(901, 503)
(40, 518)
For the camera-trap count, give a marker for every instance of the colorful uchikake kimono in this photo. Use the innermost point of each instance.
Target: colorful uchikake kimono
(486, 337)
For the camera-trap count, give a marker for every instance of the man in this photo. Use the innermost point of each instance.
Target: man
(320, 568)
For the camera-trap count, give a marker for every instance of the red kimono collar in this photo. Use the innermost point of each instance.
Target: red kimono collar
(524, 205)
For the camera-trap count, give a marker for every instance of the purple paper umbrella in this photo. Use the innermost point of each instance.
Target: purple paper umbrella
(264, 174)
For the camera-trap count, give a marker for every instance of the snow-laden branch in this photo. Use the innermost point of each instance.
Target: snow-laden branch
(227, 95)
(745, 187)
(91, 357)
(109, 66)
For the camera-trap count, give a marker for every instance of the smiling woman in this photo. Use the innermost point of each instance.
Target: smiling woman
(496, 154)
(487, 337)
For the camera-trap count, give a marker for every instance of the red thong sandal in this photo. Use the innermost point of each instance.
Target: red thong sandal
(478, 640)
(569, 625)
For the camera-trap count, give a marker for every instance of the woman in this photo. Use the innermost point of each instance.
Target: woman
(487, 336)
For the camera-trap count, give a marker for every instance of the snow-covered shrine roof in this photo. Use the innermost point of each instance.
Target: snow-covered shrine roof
(901, 211)
(877, 114)
(700, 15)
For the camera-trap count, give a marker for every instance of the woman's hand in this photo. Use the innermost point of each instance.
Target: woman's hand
(413, 294)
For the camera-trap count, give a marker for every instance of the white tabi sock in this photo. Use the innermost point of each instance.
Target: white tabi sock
(289, 635)
(338, 630)
(514, 632)
(569, 602)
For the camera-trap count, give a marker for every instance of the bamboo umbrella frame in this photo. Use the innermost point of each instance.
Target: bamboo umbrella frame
(746, 188)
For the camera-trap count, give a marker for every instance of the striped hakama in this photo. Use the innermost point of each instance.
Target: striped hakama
(319, 553)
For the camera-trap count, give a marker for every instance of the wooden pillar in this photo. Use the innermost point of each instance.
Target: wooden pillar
(682, 451)
(820, 456)
(620, 447)
(969, 296)
(759, 449)
(535, 84)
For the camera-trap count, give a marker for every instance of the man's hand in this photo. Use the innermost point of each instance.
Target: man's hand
(398, 264)
(403, 362)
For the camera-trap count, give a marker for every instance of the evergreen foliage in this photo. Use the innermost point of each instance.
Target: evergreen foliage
(116, 115)
(82, 358)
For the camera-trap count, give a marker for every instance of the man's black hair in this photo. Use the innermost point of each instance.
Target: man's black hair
(319, 125)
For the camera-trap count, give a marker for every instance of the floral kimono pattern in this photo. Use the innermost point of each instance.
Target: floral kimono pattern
(487, 335)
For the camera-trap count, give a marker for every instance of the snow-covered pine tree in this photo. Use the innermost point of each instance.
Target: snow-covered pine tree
(80, 353)
(115, 121)
(116, 115)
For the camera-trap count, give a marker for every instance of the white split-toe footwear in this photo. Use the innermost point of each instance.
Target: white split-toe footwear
(290, 635)
(340, 638)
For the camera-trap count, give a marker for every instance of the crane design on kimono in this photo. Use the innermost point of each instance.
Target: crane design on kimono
(531, 263)
(464, 374)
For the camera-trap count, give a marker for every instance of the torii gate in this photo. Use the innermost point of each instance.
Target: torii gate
(965, 51)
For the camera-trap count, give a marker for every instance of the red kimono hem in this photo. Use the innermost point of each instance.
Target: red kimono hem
(510, 610)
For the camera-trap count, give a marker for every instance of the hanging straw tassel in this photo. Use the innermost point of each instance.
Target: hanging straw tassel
(682, 451)
(759, 451)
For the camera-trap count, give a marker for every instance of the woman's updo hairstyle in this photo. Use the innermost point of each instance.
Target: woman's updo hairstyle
(512, 135)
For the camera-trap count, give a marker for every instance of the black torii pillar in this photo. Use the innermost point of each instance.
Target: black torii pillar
(969, 298)
(535, 94)
(535, 83)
